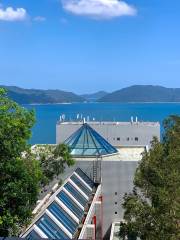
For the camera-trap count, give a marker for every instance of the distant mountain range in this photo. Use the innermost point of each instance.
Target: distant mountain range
(143, 93)
(137, 93)
(31, 96)
(94, 96)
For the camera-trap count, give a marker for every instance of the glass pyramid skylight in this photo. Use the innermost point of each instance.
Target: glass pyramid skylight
(87, 142)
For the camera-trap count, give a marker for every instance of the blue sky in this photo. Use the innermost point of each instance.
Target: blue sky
(89, 45)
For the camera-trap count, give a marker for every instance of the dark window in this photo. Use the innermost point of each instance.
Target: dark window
(127, 138)
(115, 203)
(115, 193)
(118, 139)
(115, 212)
(136, 138)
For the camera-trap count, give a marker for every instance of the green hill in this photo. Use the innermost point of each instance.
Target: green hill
(143, 93)
(137, 93)
(32, 96)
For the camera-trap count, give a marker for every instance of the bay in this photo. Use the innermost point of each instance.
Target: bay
(44, 131)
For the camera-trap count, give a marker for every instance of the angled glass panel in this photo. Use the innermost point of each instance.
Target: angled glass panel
(69, 203)
(85, 177)
(80, 140)
(106, 146)
(87, 142)
(77, 195)
(33, 236)
(77, 152)
(73, 138)
(50, 228)
(80, 184)
(63, 217)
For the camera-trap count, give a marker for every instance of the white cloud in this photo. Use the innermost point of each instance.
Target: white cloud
(10, 14)
(39, 19)
(99, 9)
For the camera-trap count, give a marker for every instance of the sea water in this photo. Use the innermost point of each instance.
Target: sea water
(44, 130)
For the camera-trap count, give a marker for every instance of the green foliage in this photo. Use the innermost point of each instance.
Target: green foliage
(20, 175)
(53, 160)
(15, 130)
(23, 171)
(152, 210)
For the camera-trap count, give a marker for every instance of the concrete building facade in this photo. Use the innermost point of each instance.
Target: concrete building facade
(116, 170)
(110, 166)
(116, 133)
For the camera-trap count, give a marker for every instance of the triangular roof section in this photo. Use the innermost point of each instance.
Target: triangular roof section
(87, 142)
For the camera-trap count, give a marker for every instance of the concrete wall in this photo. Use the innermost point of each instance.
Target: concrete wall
(118, 134)
(117, 179)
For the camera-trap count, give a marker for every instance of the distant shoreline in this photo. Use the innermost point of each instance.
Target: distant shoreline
(31, 104)
(45, 103)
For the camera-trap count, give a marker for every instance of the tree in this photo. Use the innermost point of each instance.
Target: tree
(22, 171)
(53, 160)
(19, 175)
(152, 210)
